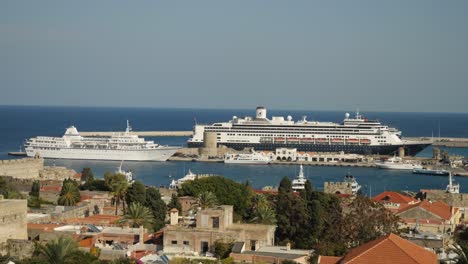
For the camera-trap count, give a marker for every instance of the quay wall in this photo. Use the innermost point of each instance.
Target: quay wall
(27, 168)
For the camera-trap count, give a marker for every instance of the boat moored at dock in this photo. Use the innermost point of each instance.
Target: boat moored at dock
(246, 158)
(431, 172)
(397, 163)
(357, 135)
(119, 146)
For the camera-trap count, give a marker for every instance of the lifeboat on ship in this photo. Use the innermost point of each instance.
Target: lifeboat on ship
(352, 140)
(321, 140)
(279, 139)
(337, 140)
(365, 141)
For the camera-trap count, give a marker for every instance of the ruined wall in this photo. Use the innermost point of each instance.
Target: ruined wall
(13, 221)
(27, 168)
(338, 188)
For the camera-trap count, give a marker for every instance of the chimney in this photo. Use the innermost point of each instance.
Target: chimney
(174, 216)
(142, 234)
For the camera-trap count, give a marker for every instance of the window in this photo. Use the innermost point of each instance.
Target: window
(174, 242)
(215, 222)
(253, 245)
(186, 243)
(204, 246)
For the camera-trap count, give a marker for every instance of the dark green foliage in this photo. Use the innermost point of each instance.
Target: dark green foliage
(8, 191)
(157, 207)
(70, 194)
(80, 257)
(35, 188)
(292, 218)
(136, 193)
(285, 185)
(87, 175)
(35, 202)
(222, 249)
(96, 185)
(122, 261)
(174, 203)
(228, 192)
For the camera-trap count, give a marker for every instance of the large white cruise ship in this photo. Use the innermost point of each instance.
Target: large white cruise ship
(354, 135)
(120, 146)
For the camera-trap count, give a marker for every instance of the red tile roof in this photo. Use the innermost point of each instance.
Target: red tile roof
(43, 227)
(438, 208)
(390, 249)
(328, 260)
(394, 197)
(94, 219)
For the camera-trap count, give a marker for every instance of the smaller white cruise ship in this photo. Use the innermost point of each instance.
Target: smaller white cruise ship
(246, 158)
(190, 176)
(300, 181)
(120, 146)
(397, 163)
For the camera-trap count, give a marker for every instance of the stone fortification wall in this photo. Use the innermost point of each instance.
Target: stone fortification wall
(13, 219)
(56, 173)
(338, 188)
(27, 168)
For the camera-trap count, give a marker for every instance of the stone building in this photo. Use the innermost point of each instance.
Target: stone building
(338, 188)
(211, 225)
(433, 217)
(13, 219)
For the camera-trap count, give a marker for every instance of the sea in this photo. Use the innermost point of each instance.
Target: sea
(18, 123)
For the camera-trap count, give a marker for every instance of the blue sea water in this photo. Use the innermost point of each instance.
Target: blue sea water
(22, 122)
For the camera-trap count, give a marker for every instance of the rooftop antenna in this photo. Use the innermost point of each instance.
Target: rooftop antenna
(357, 114)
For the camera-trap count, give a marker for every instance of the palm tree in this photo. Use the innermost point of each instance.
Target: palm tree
(137, 215)
(69, 195)
(461, 249)
(207, 199)
(58, 250)
(119, 185)
(264, 215)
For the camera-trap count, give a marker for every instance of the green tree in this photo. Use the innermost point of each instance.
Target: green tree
(136, 193)
(69, 195)
(222, 248)
(206, 199)
(157, 207)
(461, 250)
(174, 203)
(227, 192)
(264, 215)
(58, 251)
(366, 220)
(285, 185)
(35, 188)
(118, 184)
(137, 215)
(87, 175)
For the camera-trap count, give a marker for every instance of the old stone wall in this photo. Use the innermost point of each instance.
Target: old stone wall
(27, 168)
(13, 219)
(17, 248)
(338, 188)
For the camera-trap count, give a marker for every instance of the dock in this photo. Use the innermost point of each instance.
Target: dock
(443, 141)
(139, 133)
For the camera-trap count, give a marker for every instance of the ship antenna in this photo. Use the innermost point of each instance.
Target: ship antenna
(129, 128)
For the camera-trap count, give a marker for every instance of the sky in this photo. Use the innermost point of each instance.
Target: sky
(393, 55)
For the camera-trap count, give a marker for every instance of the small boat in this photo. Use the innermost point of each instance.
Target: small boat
(299, 183)
(431, 172)
(452, 187)
(190, 176)
(397, 163)
(246, 158)
(127, 173)
(350, 179)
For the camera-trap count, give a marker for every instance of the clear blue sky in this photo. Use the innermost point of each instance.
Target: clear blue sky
(396, 55)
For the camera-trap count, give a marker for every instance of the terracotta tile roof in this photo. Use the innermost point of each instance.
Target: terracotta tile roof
(394, 197)
(328, 260)
(51, 189)
(43, 227)
(94, 219)
(438, 208)
(390, 249)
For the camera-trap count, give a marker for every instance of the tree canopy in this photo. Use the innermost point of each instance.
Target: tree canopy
(227, 192)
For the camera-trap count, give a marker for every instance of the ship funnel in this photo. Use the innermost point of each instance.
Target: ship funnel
(261, 112)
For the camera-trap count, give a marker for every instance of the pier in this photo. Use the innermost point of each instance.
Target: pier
(445, 141)
(139, 133)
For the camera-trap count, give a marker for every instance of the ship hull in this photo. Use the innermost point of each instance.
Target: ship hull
(410, 149)
(160, 154)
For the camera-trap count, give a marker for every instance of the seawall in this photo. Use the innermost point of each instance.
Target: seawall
(27, 168)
